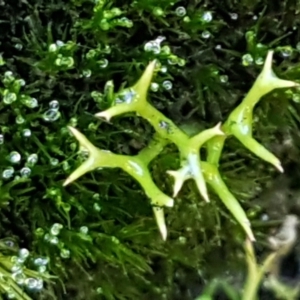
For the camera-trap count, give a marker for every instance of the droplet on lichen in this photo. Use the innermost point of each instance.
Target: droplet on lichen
(126, 96)
(1, 139)
(56, 228)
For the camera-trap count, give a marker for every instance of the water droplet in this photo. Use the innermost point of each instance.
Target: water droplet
(60, 43)
(21, 82)
(157, 11)
(65, 253)
(19, 277)
(84, 229)
(9, 98)
(180, 11)
(182, 240)
(259, 61)
(298, 46)
(26, 132)
(11, 295)
(205, 34)
(152, 47)
(54, 161)
(264, 217)
(97, 207)
(296, 98)
(29, 102)
(172, 60)
(115, 240)
(53, 240)
(56, 228)
(164, 69)
(54, 104)
(207, 16)
(223, 78)
(181, 62)
(86, 73)
(39, 284)
(42, 269)
(51, 115)
(14, 157)
(23, 253)
(1, 139)
(126, 96)
(154, 87)
(20, 119)
(16, 268)
(19, 46)
(99, 290)
(32, 159)
(233, 16)
(164, 125)
(8, 173)
(31, 283)
(247, 59)
(167, 84)
(103, 63)
(39, 232)
(25, 172)
(286, 51)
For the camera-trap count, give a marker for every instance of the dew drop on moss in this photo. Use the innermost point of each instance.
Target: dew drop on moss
(167, 85)
(247, 59)
(9, 98)
(8, 173)
(14, 157)
(154, 87)
(25, 172)
(207, 16)
(180, 11)
(51, 115)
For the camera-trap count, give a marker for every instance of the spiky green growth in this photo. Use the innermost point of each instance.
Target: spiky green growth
(239, 124)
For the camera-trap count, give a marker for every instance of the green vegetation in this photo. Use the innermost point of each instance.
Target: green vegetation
(104, 108)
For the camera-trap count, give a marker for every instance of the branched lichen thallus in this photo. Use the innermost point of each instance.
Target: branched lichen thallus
(239, 124)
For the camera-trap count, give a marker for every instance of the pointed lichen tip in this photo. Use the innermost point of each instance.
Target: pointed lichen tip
(160, 221)
(268, 61)
(73, 130)
(67, 181)
(144, 81)
(218, 129)
(279, 168)
(104, 115)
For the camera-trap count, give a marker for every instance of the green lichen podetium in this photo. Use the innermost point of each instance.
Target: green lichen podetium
(239, 124)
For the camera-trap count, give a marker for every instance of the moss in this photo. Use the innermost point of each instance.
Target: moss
(96, 239)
